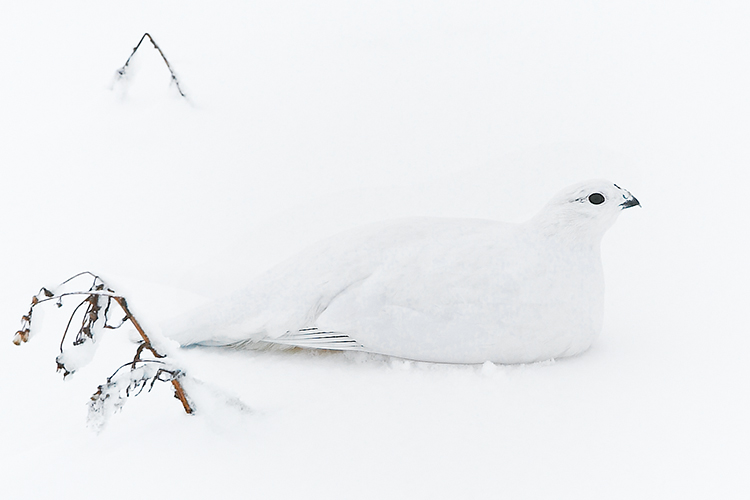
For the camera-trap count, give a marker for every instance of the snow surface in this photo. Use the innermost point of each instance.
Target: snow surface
(307, 118)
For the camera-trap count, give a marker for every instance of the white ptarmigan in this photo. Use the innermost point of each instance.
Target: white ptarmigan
(430, 289)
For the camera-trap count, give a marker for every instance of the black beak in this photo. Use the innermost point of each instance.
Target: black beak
(630, 202)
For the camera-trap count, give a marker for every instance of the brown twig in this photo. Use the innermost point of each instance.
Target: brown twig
(179, 391)
(129, 316)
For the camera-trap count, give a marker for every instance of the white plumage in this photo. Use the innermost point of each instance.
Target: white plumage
(444, 290)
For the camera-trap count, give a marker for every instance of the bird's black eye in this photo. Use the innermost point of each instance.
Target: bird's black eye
(596, 198)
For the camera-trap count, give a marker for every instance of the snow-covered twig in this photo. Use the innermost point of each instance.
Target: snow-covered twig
(109, 397)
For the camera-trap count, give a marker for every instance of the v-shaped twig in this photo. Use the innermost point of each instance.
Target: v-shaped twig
(121, 71)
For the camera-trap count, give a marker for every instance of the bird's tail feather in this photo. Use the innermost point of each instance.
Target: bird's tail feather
(308, 338)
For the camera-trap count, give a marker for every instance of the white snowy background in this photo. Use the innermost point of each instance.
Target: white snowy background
(306, 118)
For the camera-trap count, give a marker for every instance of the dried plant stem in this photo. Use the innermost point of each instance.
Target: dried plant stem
(97, 293)
(179, 391)
(128, 315)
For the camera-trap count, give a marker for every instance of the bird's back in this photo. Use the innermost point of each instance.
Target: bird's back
(451, 290)
(293, 294)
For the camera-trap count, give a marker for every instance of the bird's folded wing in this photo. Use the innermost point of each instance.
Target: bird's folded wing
(312, 338)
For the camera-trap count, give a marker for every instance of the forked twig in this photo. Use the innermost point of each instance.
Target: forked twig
(107, 398)
(121, 71)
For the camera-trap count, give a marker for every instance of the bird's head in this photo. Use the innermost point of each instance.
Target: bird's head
(589, 208)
